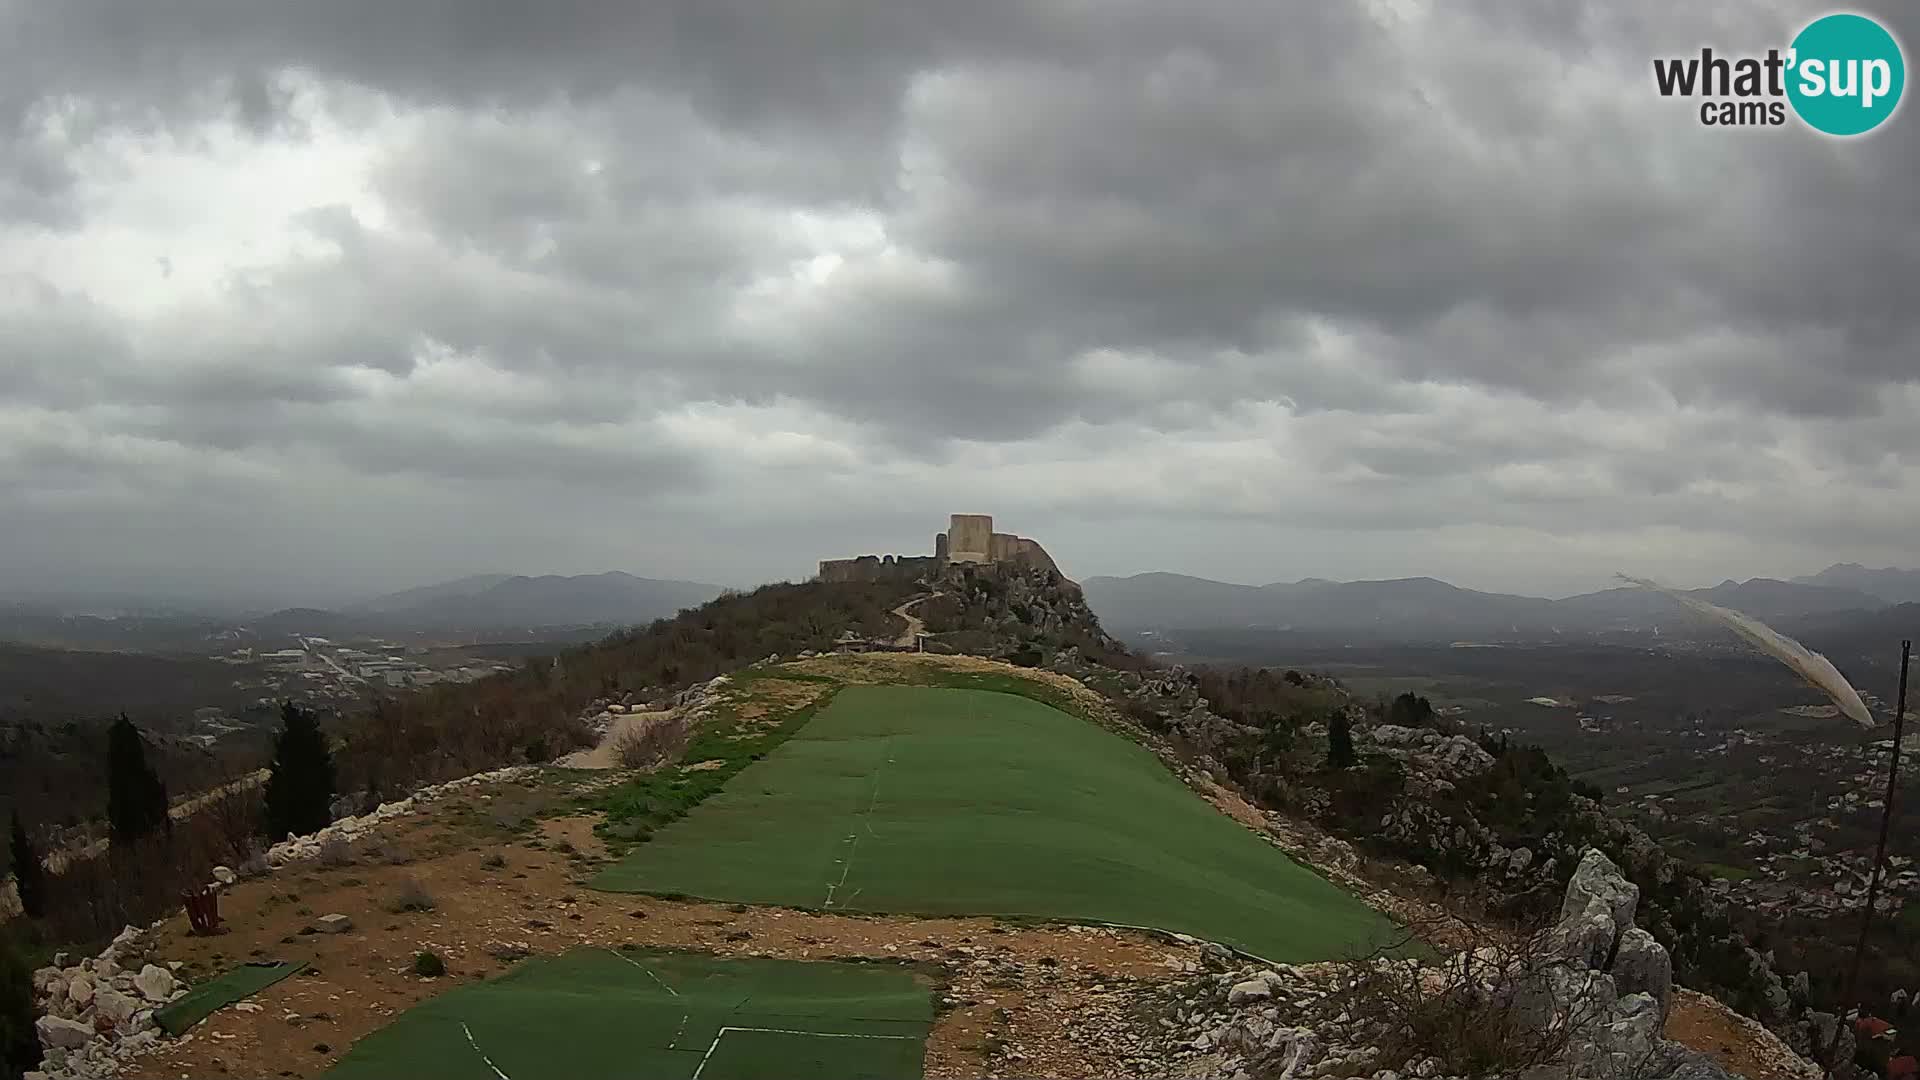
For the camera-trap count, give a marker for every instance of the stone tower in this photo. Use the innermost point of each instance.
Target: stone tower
(970, 538)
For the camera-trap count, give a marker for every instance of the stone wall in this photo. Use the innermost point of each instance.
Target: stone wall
(878, 568)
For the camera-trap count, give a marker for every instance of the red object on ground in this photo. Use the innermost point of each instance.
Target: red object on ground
(203, 910)
(1905, 1067)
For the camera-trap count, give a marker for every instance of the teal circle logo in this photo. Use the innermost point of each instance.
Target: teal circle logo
(1846, 74)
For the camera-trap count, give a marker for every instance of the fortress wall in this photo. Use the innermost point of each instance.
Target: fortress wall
(1029, 553)
(877, 568)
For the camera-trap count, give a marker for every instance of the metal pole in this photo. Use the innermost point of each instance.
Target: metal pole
(1880, 850)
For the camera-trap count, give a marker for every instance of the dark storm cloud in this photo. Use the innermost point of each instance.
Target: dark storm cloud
(1456, 259)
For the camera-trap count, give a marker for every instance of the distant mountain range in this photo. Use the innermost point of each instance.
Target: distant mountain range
(501, 600)
(1425, 609)
(1893, 586)
(481, 607)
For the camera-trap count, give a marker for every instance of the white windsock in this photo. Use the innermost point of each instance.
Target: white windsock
(1809, 665)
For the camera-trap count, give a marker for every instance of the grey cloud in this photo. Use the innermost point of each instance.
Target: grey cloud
(1405, 256)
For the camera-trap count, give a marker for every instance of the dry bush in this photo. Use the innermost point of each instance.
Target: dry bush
(412, 896)
(392, 854)
(235, 818)
(335, 852)
(646, 745)
(1489, 1010)
(93, 898)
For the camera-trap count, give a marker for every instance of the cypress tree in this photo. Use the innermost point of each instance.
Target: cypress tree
(1340, 752)
(29, 876)
(300, 790)
(136, 799)
(19, 1043)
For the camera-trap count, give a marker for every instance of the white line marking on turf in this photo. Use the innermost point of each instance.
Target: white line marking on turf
(866, 819)
(715, 1045)
(483, 1053)
(681, 1030)
(645, 968)
(845, 869)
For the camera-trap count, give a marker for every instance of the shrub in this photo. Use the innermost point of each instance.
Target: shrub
(1340, 754)
(335, 852)
(300, 790)
(647, 744)
(428, 965)
(29, 875)
(494, 861)
(19, 1044)
(391, 854)
(236, 815)
(412, 896)
(1488, 1010)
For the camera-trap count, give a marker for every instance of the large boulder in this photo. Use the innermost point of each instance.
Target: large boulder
(155, 983)
(1597, 878)
(1586, 938)
(1251, 990)
(1641, 966)
(115, 1006)
(59, 1033)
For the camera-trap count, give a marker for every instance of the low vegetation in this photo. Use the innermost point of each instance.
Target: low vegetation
(722, 747)
(651, 742)
(411, 897)
(531, 713)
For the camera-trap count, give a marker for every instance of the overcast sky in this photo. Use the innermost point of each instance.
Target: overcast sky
(315, 299)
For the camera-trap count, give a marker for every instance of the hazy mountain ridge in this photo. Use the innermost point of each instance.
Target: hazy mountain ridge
(611, 598)
(1895, 586)
(1424, 608)
(421, 595)
(481, 603)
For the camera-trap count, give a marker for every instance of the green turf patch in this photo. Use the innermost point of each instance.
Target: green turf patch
(635, 809)
(943, 801)
(594, 1013)
(216, 993)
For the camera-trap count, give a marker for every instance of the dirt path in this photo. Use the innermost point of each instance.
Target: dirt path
(1007, 984)
(606, 755)
(916, 626)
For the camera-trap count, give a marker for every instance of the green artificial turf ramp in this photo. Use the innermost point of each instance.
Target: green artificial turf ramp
(945, 802)
(202, 1001)
(595, 1013)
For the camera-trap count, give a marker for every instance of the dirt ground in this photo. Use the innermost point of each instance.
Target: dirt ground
(1740, 1044)
(485, 917)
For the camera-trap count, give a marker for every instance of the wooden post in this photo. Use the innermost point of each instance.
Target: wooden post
(1879, 851)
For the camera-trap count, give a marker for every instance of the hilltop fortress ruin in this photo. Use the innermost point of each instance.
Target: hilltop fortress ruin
(969, 539)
